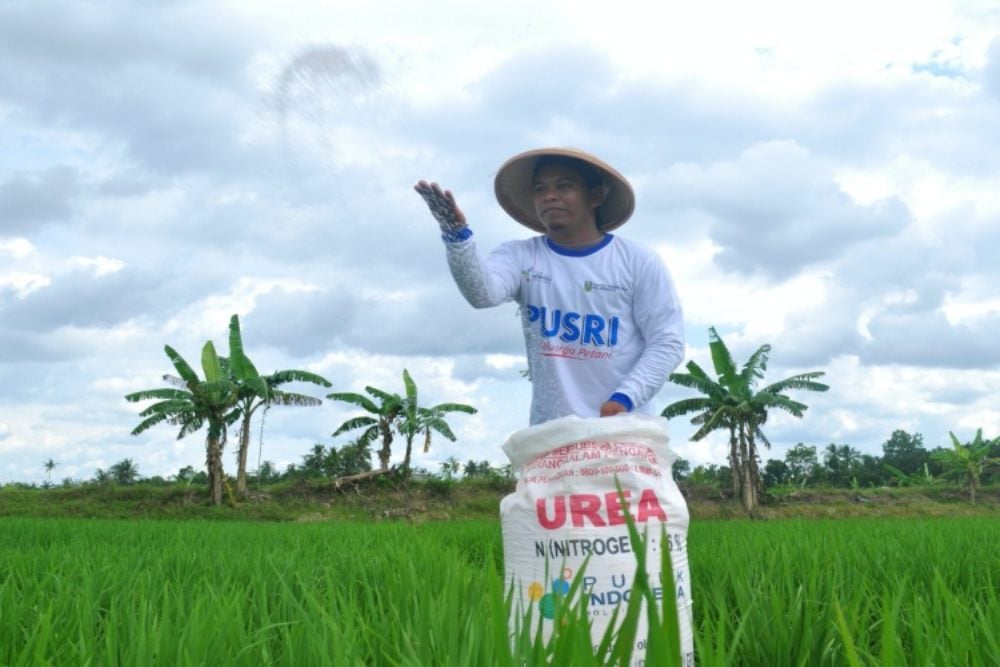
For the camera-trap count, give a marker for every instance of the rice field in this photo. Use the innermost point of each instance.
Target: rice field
(847, 592)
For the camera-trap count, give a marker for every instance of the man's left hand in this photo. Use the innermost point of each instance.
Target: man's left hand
(612, 408)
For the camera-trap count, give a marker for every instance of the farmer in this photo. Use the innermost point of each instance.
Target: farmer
(602, 322)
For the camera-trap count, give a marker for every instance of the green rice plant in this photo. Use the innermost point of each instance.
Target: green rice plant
(124, 592)
(872, 592)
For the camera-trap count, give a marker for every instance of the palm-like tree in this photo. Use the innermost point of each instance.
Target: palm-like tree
(50, 465)
(199, 402)
(312, 463)
(383, 410)
(124, 472)
(731, 402)
(354, 458)
(256, 390)
(968, 461)
(451, 467)
(417, 420)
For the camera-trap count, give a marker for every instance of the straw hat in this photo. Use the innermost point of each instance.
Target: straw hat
(513, 186)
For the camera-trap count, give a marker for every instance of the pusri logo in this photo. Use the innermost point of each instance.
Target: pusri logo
(570, 327)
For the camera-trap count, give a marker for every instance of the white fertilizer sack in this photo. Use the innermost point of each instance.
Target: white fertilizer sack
(566, 507)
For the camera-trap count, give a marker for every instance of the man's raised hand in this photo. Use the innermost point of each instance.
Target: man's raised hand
(443, 207)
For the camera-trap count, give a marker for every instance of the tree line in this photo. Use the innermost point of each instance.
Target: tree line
(731, 402)
(231, 390)
(320, 463)
(905, 461)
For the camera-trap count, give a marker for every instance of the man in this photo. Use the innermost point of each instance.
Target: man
(602, 322)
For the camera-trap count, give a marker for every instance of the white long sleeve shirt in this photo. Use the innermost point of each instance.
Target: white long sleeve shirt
(598, 324)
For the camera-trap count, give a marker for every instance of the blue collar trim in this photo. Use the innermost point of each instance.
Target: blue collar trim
(579, 252)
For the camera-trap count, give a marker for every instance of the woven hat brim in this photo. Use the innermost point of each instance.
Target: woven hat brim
(513, 187)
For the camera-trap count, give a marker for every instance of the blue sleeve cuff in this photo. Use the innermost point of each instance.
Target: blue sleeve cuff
(463, 234)
(619, 397)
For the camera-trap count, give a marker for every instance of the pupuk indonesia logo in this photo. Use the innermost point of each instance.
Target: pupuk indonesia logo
(547, 601)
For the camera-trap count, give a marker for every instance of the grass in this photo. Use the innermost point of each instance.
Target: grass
(846, 592)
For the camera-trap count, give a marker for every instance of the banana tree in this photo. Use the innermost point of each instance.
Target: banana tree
(383, 410)
(197, 403)
(731, 402)
(967, 461)
(256, 391)
(418, 420)
(389, 413)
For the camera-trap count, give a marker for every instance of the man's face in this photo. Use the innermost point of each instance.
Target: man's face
(563, 203)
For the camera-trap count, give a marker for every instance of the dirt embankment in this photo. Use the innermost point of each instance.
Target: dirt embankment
(437, 500)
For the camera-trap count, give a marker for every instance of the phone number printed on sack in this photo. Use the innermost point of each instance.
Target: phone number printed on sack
(609, 469)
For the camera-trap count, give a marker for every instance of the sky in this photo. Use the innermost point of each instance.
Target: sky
(820, 177)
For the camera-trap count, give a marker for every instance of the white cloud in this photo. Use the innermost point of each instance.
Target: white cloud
(101, 265)
(16, 247)
(24, 283)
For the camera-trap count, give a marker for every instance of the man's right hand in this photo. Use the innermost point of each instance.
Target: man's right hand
(443, 207)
